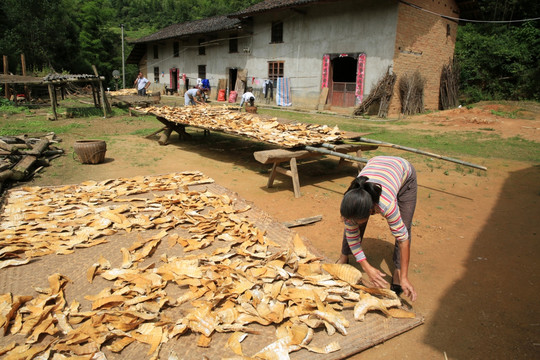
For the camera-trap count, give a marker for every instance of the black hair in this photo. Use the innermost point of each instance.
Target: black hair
(359, 199)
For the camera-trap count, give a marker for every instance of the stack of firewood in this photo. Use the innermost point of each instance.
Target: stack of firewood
(381, 94)
(449, 89)
(22, 156)
(411, 93)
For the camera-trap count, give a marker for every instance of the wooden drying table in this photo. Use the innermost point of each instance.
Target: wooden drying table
(273, 156)
(278, 156)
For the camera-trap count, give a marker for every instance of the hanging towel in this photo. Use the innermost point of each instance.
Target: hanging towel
(283, 92)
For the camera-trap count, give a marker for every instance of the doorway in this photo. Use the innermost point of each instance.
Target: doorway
(342, 84)
(173, 83)
(233, 73)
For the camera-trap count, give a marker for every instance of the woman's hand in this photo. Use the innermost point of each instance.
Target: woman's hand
(408, 289)
(375, 275)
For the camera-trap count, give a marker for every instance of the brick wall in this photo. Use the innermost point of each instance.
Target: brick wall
(424, 42)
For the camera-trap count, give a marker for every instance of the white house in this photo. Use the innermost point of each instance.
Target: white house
(345, 46)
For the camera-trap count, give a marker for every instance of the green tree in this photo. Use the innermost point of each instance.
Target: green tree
(499, 57)
(100, 44)
(43, 30)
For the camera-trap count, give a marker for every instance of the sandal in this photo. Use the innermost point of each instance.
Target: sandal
(396, 288)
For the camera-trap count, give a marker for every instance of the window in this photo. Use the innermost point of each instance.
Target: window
(277, 32)
(156, 52)
(176, 49)
(233, 43)
(202, 71)
(202, 49)
(275, 69)
(156, 74)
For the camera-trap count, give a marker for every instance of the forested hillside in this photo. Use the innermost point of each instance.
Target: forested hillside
(497, 53)
(71, 35)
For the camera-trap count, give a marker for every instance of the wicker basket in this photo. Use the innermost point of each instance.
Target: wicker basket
(90, 151)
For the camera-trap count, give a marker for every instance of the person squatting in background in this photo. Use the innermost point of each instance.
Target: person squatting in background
(386, 185)
(193, 97)
(248, 97)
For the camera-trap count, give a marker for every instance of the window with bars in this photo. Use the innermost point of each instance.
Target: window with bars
(233, 43)
(275, 69)
(202, 48)
(277, 32)
(176, 49)
(202, 71)
(156, 52)
(156, 74)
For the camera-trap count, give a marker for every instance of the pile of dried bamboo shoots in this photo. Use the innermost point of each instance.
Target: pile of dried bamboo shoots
(246, 124)
(121, 92)
(231, 275)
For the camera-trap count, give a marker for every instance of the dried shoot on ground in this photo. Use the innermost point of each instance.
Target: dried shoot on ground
(230, 277)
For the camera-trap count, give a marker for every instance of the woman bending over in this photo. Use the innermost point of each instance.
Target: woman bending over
(386, 185)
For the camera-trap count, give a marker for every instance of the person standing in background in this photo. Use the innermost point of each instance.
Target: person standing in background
(142, 84)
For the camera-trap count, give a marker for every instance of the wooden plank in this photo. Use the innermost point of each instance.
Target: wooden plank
(282, 155)
(303, 221)
(322, 98)
(222, 85)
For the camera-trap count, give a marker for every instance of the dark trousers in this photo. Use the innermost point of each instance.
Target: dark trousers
(406, 199)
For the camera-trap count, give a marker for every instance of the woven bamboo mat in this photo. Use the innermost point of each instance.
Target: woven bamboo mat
(22, 280)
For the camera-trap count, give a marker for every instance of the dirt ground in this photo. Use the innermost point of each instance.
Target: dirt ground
(474, 258)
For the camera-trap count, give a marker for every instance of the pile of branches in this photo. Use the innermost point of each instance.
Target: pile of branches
(411, 93)
(448, 93)
(21, 157)
(381, 93)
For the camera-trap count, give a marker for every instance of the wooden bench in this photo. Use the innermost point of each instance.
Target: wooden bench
(278, 156)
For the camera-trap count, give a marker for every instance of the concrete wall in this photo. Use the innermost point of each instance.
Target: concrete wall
(354, 26)
(217, 59)
(343, 27)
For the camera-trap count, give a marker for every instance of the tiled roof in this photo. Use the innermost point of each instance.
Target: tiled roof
(468, 7)
(269, 5)
(203, 26)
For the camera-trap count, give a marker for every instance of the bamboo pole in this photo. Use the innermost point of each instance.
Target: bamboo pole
(417, 151)
(335, 153)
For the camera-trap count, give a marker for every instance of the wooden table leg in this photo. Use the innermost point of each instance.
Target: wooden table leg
(360, 165)
(295, 180)
(272, 176)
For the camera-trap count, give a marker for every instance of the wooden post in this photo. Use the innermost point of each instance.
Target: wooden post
(103, 97)
(94, 94)
(23, 65)
(6, 72)
(52, 95)
(295, 180)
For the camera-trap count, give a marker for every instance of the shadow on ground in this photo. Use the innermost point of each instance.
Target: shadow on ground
(498, 295)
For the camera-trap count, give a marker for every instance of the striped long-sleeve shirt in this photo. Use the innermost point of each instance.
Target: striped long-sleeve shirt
(390, 173)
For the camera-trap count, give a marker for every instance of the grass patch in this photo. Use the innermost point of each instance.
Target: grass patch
(12, 127)
(505, 114)
(452, 144)
(8, 107)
